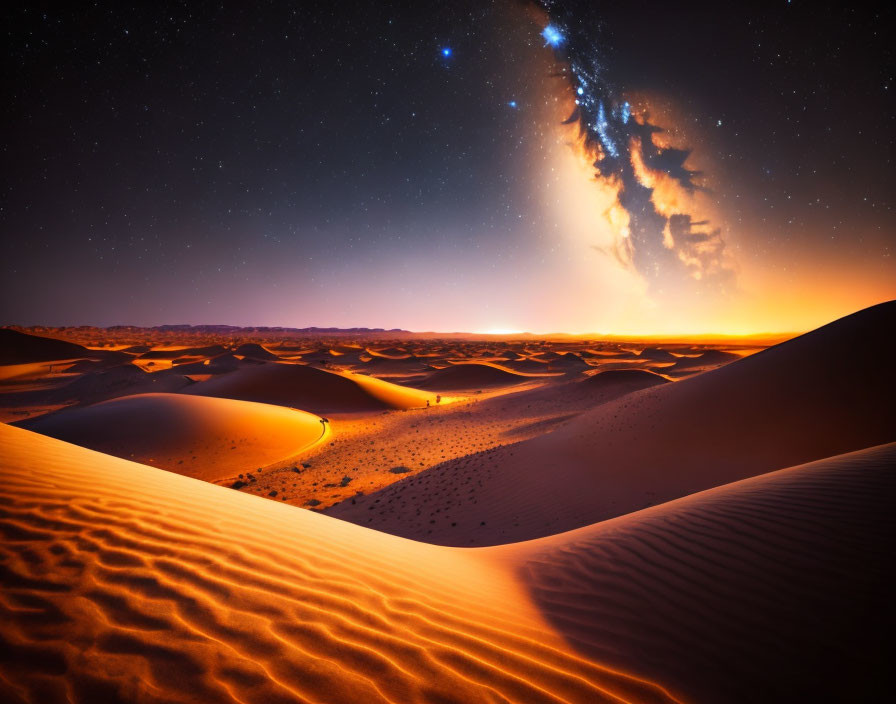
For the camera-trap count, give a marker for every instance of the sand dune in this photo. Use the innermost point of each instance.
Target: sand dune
(254, 351)
(705, 360)
(771, 589)
(52, 391)
(391, 365)
(388, 352)
(710, 357)
(633, 377)
(207, 438)
(221, 364)
(125, 583)
(583, 394)
(472, 375)
(657, 355)
(30, 371)
(310, 389)
(178, 352)
(124, 379)
(569, 362)
(821, 394)
(21, 348)
(527, 366)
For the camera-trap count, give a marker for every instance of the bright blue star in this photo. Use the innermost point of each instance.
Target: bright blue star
(512, 104)
(552, 36)
(446, 52)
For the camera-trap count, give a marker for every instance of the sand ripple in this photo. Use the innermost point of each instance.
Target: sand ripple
(126, 583)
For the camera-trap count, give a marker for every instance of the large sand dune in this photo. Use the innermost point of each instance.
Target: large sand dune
(22, 348)
(122, 582)
(776, 588)
(310, 389)
(125, 583)
(472, 375)
(824, 393)
(207, 438)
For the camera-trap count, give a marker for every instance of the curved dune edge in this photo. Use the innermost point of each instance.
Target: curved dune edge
(126, 583)
(312, 389)
(203, 437)
(771, 589)
(21, 348)
(818, 395)
(472, 375)
(395, 395)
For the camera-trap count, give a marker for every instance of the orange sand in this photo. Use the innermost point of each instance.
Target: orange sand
(127, 583)
(780, 407)
(207, 438)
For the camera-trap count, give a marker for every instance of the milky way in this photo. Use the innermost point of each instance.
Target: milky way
(655, 239)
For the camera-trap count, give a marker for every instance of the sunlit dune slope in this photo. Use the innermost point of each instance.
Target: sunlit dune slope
(207, 438)
(776, 588)
(824, 393)
(472, 375)
(35, 371)
(124, 583)
(310, 389)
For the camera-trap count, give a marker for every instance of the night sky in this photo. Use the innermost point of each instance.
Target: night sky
(407, 165)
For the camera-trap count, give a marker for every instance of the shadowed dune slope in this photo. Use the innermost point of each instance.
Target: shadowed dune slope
(207, 438)
(21, 348)
(824, 393)
(310, 389)
(708, 357)
(776, 588)
(640, 378)
(177, 352)
(471, 375)
(569, 362)
(256, 351)
(590, 391)
(124, 583)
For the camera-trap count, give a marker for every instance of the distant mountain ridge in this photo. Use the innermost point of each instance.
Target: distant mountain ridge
(202, 329)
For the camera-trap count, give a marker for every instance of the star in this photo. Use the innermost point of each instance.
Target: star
(552, 36)
(446, 52)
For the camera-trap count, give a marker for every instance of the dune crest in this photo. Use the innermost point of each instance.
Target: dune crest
(311, 389)
(778, 408)
(127, 583)
(21, 348)
(773, 588)
(474, 375)
(205, 438)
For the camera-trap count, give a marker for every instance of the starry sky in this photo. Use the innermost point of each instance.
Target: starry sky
(424, 166)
